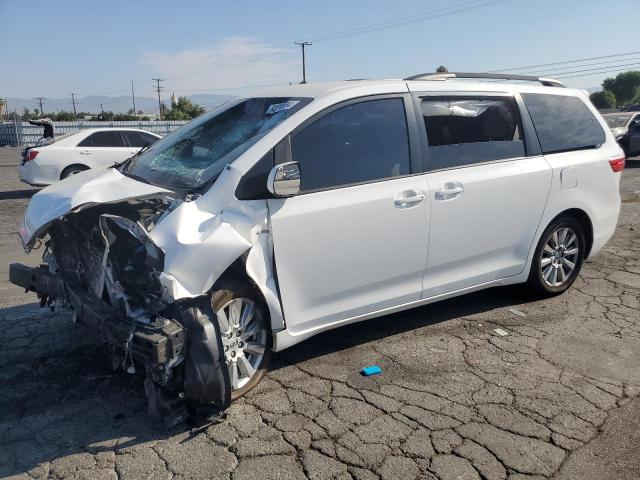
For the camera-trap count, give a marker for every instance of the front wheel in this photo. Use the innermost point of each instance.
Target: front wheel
(558, 257)
(246, 337)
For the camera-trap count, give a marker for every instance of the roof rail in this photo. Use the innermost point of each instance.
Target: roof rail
(547, 82)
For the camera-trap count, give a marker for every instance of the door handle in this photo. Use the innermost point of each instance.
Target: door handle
(408, 198)
(85, 152)
(450, 190)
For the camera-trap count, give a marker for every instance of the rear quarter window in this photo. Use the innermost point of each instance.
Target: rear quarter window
(563, 123)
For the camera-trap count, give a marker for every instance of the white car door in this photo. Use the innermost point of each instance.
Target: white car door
(103, 148)
(354, 240)
(487, 195)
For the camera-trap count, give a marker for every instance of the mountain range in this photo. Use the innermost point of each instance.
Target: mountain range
(120, 104)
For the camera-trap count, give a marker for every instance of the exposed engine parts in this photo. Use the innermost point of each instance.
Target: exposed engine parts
(101, 262)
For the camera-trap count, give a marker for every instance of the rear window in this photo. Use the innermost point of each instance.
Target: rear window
(563, 123)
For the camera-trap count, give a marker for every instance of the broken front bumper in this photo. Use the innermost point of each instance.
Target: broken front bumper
(160, 343)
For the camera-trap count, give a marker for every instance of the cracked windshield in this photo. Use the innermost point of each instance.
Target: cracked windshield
(197, 153)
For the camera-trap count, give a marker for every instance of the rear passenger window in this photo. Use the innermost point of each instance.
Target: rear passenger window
(139, 139)
(563, 123)
(463, 130)
(103, 139)
(362, 142)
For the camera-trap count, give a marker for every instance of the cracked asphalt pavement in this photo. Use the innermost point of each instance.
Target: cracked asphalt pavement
(556, 396)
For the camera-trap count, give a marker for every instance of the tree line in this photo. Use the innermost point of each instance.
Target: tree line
(621, 91)
(183, 109)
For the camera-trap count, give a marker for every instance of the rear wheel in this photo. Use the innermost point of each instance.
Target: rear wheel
(246, 337)
(72, 170)
(558, 257)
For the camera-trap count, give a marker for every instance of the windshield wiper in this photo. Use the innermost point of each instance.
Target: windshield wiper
(136, 177)
(127, 161)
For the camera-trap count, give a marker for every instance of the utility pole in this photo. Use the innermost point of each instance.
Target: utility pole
(102, 111)
(304, 71)
(41, 110)
(73, 99)
(158, 89)
(133, 97)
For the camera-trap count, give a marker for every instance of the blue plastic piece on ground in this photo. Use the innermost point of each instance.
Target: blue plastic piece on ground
(371, 370)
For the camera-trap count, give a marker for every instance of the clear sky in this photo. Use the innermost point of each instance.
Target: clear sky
(50, 48)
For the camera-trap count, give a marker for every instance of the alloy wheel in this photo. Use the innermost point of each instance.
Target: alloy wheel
(559, 257)
(244, 339)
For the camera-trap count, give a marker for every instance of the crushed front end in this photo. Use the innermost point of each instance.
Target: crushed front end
(101, 262)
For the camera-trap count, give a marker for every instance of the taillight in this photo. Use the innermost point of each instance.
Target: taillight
(617, 164)
(31, 154)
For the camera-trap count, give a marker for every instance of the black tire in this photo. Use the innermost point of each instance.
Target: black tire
(72, 170)
(234, 287)
(537, 281)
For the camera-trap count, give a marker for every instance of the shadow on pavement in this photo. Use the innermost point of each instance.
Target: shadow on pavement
(378, 328)
(60, 396)
(17, 194)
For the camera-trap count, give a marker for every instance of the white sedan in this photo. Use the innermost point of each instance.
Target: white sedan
(73, 153)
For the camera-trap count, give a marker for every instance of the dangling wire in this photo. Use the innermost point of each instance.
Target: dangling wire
(127, 352)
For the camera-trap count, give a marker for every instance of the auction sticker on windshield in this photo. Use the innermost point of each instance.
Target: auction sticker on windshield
(278, 107)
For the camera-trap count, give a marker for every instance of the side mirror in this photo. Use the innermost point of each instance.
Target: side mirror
(284, 180)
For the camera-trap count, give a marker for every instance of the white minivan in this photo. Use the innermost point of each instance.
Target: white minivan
(276, 217)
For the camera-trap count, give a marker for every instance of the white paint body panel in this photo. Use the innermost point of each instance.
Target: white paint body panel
(52, 159)
(349, 254)
(349, 251)
(484, 233)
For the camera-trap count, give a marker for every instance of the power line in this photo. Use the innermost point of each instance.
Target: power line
(429, 15)
(596, 73)
(438, 13)
(635, 64)
(577, 60)
(559, 70)
(432, 14)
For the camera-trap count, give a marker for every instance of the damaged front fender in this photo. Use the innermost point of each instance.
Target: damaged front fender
(202, 238)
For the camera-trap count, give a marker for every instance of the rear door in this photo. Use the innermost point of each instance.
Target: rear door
(104, 148)
(489, 185)
(354, 240)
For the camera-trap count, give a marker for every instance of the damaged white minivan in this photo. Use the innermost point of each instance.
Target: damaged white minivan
(273, 218)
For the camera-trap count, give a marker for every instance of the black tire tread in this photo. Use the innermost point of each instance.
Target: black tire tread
(535, 282)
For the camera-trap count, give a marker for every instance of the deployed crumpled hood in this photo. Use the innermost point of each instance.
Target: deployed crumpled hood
(103, 185)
